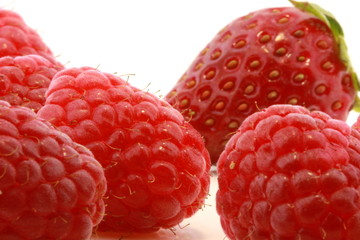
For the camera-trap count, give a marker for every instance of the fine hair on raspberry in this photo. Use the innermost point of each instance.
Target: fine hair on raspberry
(289, 173)
(156, 164)
(50, 186)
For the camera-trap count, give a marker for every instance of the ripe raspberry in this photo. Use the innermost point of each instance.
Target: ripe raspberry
(24, 80)
(17, 39)
(50, 187)
(156, 164)
(290, 174)
(271, 56)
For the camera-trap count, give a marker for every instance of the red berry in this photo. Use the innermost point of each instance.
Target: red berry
(17, 38)
(156, 164)
(50, 186)
(270, 56)
(289, 173)
(356, 124)
(24, 80)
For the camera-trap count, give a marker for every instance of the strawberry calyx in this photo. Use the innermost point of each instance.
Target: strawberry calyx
(338, 34)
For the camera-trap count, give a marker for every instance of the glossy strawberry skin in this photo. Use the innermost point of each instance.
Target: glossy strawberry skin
(156, 164)
(271, 56)
(25, 79)
(50, 186)
(290, 174)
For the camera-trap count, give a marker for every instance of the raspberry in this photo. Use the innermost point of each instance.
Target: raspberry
(289, 173)
(17, 38)
(50, 186)
(24, 80)
(156, 164)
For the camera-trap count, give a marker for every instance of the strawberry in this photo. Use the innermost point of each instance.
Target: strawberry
(156, 164)
(50, 186)
(289, 173)
(294, 55)
(17, 38)
(24, 80)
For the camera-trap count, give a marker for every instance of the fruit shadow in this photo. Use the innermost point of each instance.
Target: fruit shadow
(185, 233)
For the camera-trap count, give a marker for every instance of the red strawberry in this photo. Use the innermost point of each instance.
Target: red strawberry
(271, 56)
(17, 38)
(24, 80)
(289, 173)
(156, 164)
(50, 186)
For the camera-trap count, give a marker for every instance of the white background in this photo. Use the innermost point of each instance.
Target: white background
(153, 42)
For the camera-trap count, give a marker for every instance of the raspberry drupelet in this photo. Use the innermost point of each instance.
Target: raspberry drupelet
(25, 79)
(289, 173)
(155, 162)
(50, 187)
(18, 39)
